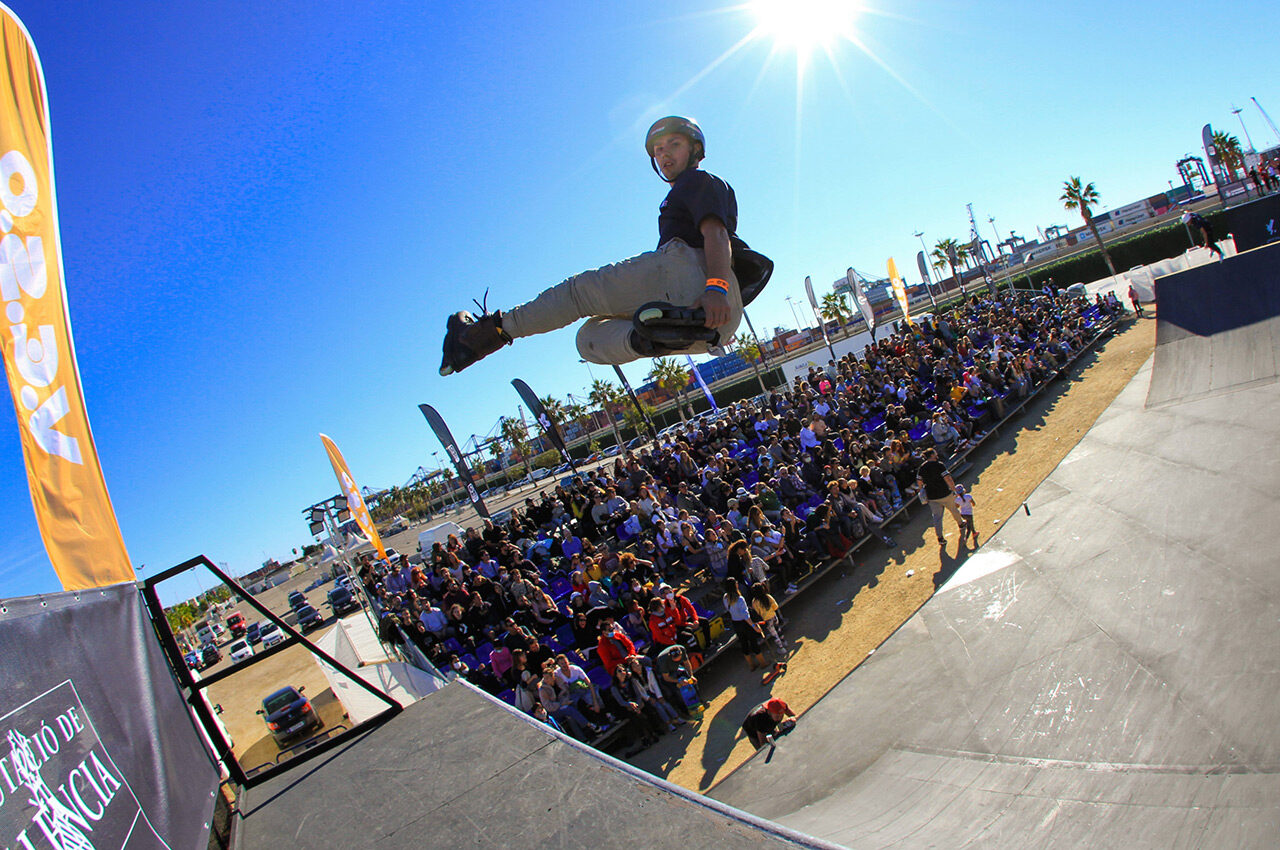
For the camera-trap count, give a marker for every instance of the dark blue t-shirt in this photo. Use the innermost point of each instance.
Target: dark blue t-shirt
(694, 196)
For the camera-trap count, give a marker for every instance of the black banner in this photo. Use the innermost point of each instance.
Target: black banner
(97, 748)
(548, 425)
(1255, 223)
(436, 421)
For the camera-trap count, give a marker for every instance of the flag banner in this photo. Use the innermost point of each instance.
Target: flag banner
(98, 748)
(706, 391)
(900, 291)
(922, 263)
(1211, 150)
(860, 298)
(355, 502)
(549, 426)
(436, 421)
(68, 491)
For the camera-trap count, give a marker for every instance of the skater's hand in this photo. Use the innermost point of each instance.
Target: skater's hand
(716, 305)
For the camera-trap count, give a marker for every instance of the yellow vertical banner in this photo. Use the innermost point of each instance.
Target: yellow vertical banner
(355, 502)
(899, 290)
(68, 490)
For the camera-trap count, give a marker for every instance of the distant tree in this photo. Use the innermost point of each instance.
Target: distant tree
(1078, 195)
(750, 351)
(517, 436)
(950, 253)
(672, 377)
(611, 399)
(1229, 151)
(835, 308)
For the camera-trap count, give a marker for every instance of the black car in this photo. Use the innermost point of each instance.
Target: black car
(210, 655)
(342, 601)
(253, 633)
(309, 619)
(289, 715)
(296, 600)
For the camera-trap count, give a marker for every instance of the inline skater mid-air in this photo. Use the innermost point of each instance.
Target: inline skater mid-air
(687, 296)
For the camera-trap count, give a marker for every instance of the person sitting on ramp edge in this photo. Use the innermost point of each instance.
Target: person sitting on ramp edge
(686, 296)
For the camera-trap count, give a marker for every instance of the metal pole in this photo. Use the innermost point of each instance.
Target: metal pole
(759, 346)
(792, 303)
(996, 230)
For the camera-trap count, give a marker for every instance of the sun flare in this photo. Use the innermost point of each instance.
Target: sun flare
(804, 25)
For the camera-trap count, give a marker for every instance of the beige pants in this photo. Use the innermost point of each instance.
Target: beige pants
(608, 298)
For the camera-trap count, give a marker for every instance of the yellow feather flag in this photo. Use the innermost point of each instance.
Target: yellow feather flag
(68, 490)
(355, 502)
(900, 290)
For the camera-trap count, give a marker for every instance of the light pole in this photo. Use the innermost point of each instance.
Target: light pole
(792, 302)
(1008, 281)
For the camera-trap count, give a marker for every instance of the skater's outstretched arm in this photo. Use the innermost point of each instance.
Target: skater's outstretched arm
(719, 254)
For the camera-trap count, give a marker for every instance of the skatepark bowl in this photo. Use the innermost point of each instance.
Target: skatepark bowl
(1103, 673)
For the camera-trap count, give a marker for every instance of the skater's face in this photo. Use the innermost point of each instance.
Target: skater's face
(672, 153)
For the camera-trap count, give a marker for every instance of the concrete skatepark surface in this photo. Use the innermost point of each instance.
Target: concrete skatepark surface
(1104, 672)
(459, 769)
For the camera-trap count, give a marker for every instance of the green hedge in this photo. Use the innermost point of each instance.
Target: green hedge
(1167, 241)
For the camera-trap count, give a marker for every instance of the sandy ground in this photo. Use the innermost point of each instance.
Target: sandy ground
(836, 623)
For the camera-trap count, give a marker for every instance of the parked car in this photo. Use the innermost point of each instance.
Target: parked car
(398, 525)
(193, 660)
(289, 715)
(309, 619)
(271, 635)
(253, 633)
(342, 601)
(635, 443)
(613, 450)
(393, 555)
(296, 599)
(317, 583)
(210, 655)
(240, 649)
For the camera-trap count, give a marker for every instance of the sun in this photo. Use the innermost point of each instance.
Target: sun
(805, 25)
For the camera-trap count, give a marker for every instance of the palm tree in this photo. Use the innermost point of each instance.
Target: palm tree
(1078, 195)
(835, 309)
(514, 432)
(638, 419)
(750, 351)
(949, 252)
(1228, 147)
(672, 377)
(610, 398)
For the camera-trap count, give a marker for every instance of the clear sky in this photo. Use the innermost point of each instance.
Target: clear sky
(268, 209)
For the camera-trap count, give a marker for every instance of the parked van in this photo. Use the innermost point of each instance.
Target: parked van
(438, 534)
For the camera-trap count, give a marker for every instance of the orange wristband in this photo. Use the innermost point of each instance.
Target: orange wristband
(718, 285)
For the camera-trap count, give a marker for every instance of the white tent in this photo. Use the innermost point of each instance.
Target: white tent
(354, 645)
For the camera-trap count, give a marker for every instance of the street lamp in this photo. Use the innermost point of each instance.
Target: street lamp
(791, 301)
(1008, 281)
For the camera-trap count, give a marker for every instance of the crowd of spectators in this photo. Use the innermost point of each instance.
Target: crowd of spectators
(592, 607)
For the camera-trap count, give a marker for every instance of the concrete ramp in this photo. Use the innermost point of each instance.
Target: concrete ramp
(459, 769)
(1217, 327)
(1104, 673)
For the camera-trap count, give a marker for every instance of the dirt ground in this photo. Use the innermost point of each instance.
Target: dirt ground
(836, 623)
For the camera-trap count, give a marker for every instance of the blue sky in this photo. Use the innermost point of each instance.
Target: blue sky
(267, 210)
